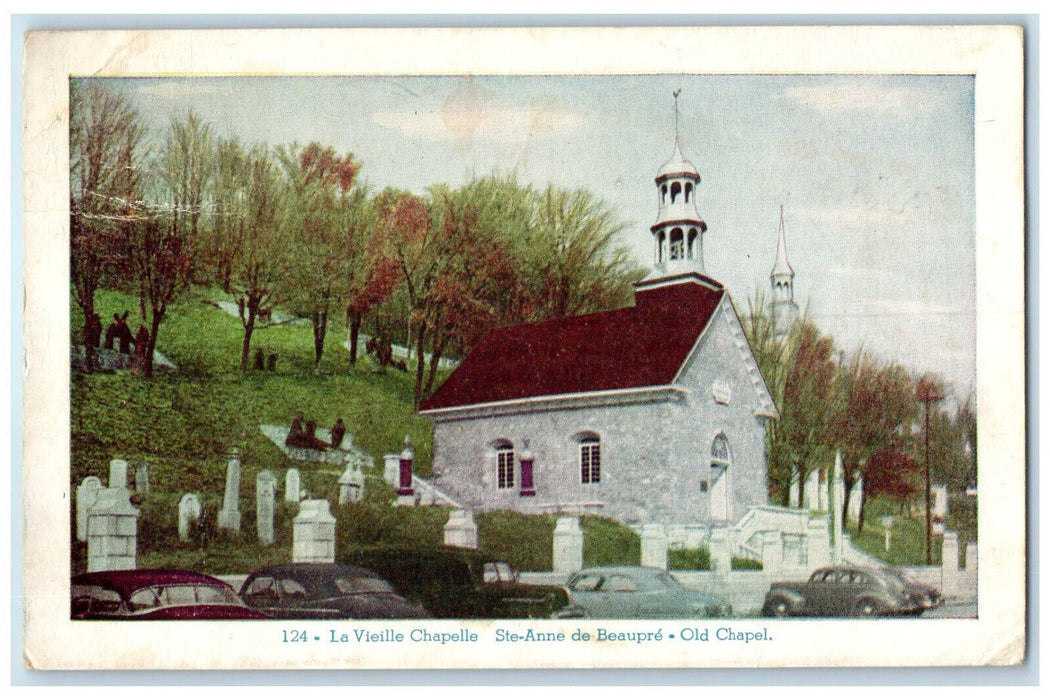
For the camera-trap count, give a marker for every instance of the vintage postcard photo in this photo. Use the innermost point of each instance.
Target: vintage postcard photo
(503, 348)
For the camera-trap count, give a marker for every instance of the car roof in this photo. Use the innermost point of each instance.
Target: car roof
(126, 581)
(472, 555)
(624, 570)
(313, 570)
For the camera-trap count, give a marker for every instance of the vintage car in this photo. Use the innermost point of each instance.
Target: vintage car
(452, 582)
(155, 594)
(313, 591)
(850, 591)
(627, 592)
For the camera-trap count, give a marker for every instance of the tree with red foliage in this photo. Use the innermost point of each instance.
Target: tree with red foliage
(892, 473)
(875, 404)
(372, 274)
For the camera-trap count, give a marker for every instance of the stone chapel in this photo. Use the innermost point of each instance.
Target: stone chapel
(651, 413)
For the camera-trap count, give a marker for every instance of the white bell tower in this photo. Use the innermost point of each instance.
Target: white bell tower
(782, 282)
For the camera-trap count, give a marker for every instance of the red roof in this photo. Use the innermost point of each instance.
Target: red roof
(640, 346)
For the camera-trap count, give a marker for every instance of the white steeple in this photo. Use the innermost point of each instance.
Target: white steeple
(678, 231)
(782, 280)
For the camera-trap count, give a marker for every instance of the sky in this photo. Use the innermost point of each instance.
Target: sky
(875, 173)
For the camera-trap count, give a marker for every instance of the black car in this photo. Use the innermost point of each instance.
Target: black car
(325, 592)
(452, 582)
(850, 591)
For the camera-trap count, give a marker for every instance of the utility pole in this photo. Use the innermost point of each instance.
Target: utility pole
(928, 392)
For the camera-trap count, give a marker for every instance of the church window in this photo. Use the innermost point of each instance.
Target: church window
(677, 248)
(676, 189)
(692, 243)
(720, 451)
(688, 191)
(663, 193)
(505, 465)
(590, 459)
(662, 238)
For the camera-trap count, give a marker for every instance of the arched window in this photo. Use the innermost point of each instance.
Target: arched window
(663, 193)
(692, 243)
(677, 248)
(676, 189)
(590, 451)
(504, 464)
(688, 191)
(662, 238)
(720, 451)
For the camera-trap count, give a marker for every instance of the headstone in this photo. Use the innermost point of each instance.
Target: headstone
(772, 552)
(118, 473)
(112, 531)
(856, 493)
(811, 490)
(313, 533)
(721, 561)
(189, 513)
(265, 486)
(654, 546)
(291, 485)
(142, 478)
(230, 515)
(351, 484)
(568, 545)
(391, 468)
(461, 530)
(87, 493)
(405, 494)
(838, 496)
(940, 501)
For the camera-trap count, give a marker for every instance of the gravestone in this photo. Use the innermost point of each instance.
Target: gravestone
(461, 530)
(265, 486)
(811, 491)
(568, 545)
(112, 531)
(87, 493)
(391, 468)
(230, 515)
(313, 533)
(189, 513)
(291, 485)
(118, 473)
(654, 546)
(142, 478)
(406, 495)
(856, 493)
(351, 483)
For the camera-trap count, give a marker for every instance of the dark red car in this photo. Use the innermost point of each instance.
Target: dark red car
(155, 594)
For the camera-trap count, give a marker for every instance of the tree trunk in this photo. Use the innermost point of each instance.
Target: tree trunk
(435, 359)
(320, 319)
(147, 359)
(860, 517)
(249, 326)
(355, 331)
(421, 331)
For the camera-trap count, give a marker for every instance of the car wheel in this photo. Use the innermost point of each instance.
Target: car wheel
(779, 607)
(866, 608)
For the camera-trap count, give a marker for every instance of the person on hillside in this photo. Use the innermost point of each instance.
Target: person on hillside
(123, 334)
(338, 431)
(311, 439)
(295, 434)
(112, 331)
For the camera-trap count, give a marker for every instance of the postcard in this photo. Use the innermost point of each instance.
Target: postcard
(517, 348)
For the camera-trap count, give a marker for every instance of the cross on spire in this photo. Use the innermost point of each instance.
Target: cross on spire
(676, 94)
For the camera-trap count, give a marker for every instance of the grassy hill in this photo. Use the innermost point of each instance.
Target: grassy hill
(184, 423)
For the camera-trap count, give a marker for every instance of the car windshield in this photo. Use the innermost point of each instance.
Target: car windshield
(94, 599)
(349, 585)
(182, 594)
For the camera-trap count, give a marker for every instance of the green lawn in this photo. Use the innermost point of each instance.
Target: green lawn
(184, 423)
(908, 534)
